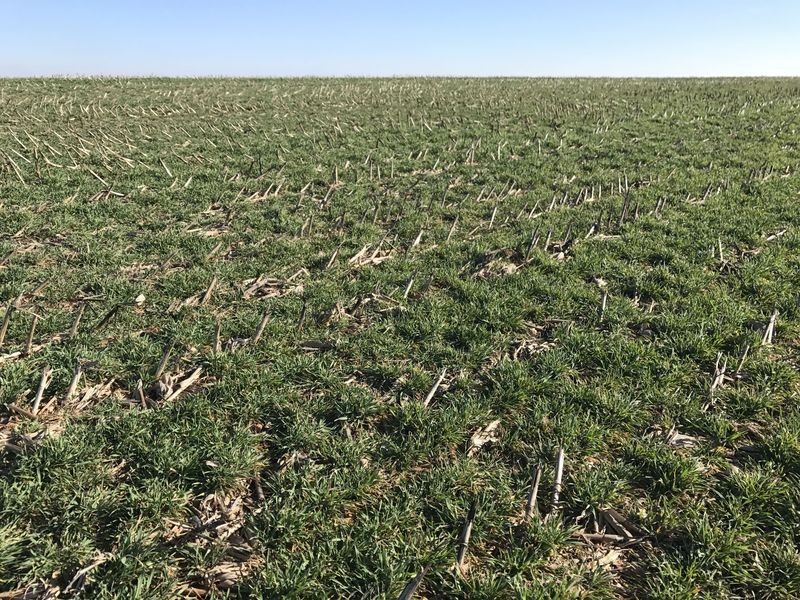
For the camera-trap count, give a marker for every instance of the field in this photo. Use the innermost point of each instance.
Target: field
(429, 338)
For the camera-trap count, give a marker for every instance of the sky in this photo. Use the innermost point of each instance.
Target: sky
(400, 37)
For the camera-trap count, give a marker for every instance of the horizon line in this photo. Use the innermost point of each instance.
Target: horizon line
(395, 76)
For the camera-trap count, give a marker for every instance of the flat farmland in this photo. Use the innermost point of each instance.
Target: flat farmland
(395, 338)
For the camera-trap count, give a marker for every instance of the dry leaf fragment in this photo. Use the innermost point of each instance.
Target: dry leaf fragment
(679, 440)
(485, 435)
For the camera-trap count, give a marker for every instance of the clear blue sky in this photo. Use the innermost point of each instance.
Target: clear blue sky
(400, 37)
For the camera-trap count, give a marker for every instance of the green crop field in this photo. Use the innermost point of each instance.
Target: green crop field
(430, 338)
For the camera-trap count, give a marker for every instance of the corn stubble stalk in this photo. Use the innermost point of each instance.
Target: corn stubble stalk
(162, 364)
(769, 332)
(417, 240)
(463, 538)
(112, 312)
(435, 388)
(6, 321)
(603, 304)
(531, 507)
(302, 319)
(73, 384)
(409, 283)
(557, 484)
(209, 291)
(333, 257)
(411, 587)
(260, 329)
(742, 359)
(73, 330)
(140, 397)
(217, 344)
(452, 229)
(44, 381)
(31, 332)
